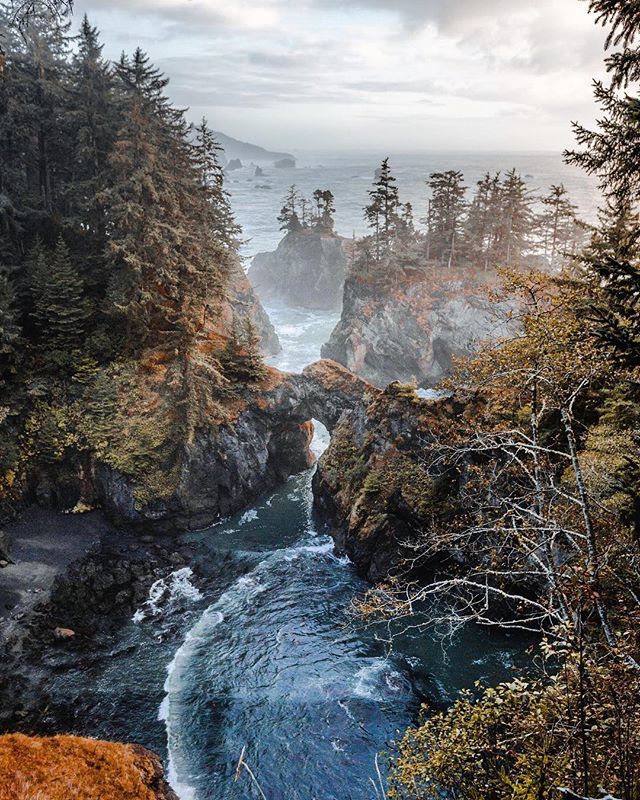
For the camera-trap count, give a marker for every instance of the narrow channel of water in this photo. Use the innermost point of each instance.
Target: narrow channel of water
(252, 651)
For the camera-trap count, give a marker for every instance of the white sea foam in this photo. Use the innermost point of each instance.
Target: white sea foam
(249, 516)
(165, 592)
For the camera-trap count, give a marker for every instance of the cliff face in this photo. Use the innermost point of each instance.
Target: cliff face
(412, 329)
(371, 484)
(306, 270)
(244, 301)
(252, 440)
(62, 767)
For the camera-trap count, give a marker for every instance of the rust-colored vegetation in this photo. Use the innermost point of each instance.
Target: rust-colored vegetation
(73, 768)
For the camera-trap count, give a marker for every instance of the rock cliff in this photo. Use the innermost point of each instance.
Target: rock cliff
(62, 767)
(371, 485)
(306, 270)
(244, 300)
(413, 328)
(252, 441)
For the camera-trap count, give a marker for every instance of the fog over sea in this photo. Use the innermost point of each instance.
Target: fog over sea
(257, 200)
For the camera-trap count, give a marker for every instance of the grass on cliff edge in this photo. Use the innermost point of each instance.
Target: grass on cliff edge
(74, 768)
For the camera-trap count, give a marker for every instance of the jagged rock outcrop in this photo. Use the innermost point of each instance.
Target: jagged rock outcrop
(260, 437)
(242, 301)
(307, 270)
(371, 485)
(412, 328)
(61, 767)
(231, 464)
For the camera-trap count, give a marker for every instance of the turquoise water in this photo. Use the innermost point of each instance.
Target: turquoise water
(250, 648)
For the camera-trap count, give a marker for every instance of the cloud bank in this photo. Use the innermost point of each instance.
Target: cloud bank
(407, 75)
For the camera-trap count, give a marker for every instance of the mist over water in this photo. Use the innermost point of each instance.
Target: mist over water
(257, 201)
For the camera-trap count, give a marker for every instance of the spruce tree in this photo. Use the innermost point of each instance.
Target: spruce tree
(219, 216)
(11, 343)
(59, 307)
(146, 208)
(480, 225)
(445, 218)
(558, 225)
(382, 213)
(288, 217)
(513, 236)
(93, 121)
(610, 152)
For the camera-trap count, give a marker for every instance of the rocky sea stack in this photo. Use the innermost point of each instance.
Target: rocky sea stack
(414, 327)
(307, 270)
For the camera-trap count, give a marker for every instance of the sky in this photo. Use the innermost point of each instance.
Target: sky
(408, 76)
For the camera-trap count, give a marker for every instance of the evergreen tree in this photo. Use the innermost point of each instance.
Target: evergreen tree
(59, 308)
(242, 361)
(482, 220)
(10, 334)
(445, 217)
(558, 225)
(150, 233)
(513, 236)
(219, 215)
(288, 217)
(93, 121)
(611, 153)
(324, 209)
(382, 212)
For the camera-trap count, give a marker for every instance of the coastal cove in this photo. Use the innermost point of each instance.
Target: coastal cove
(245, 642)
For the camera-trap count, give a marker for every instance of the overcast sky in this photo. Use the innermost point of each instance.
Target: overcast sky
(399, 75)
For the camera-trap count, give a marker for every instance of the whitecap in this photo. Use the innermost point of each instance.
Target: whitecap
(164, 592)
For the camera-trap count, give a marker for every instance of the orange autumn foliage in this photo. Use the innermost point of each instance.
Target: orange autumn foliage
(74, 768)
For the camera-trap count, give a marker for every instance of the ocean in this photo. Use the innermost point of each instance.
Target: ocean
(257, 200)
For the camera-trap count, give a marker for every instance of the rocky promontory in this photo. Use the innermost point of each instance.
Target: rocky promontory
(307, 270)
(372, 485)
(413, 327)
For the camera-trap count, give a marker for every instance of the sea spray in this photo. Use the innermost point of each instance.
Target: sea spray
(165, 592)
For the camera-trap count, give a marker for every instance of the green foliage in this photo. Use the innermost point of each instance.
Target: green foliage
(59, 307)
(527, 739)
(10, 333)
(120, 241)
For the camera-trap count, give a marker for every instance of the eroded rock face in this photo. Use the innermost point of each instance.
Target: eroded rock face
(60, 767)
(228, 466)
(371, 485)
(243, 301)
(307, 270)
(414, 329)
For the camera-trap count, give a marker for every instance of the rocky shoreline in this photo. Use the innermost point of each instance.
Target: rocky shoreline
(67, 614)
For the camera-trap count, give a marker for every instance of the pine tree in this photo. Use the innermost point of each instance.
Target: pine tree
(610, 152)
(445, 217)
(10, 334)
(481, 223)
(93, 121)
(150, 232)
(220, 216)
(242, 361)
(59, 308)
(558, 225)
(382, 212)
(324, 209)
(288, 217)
(513, 236)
